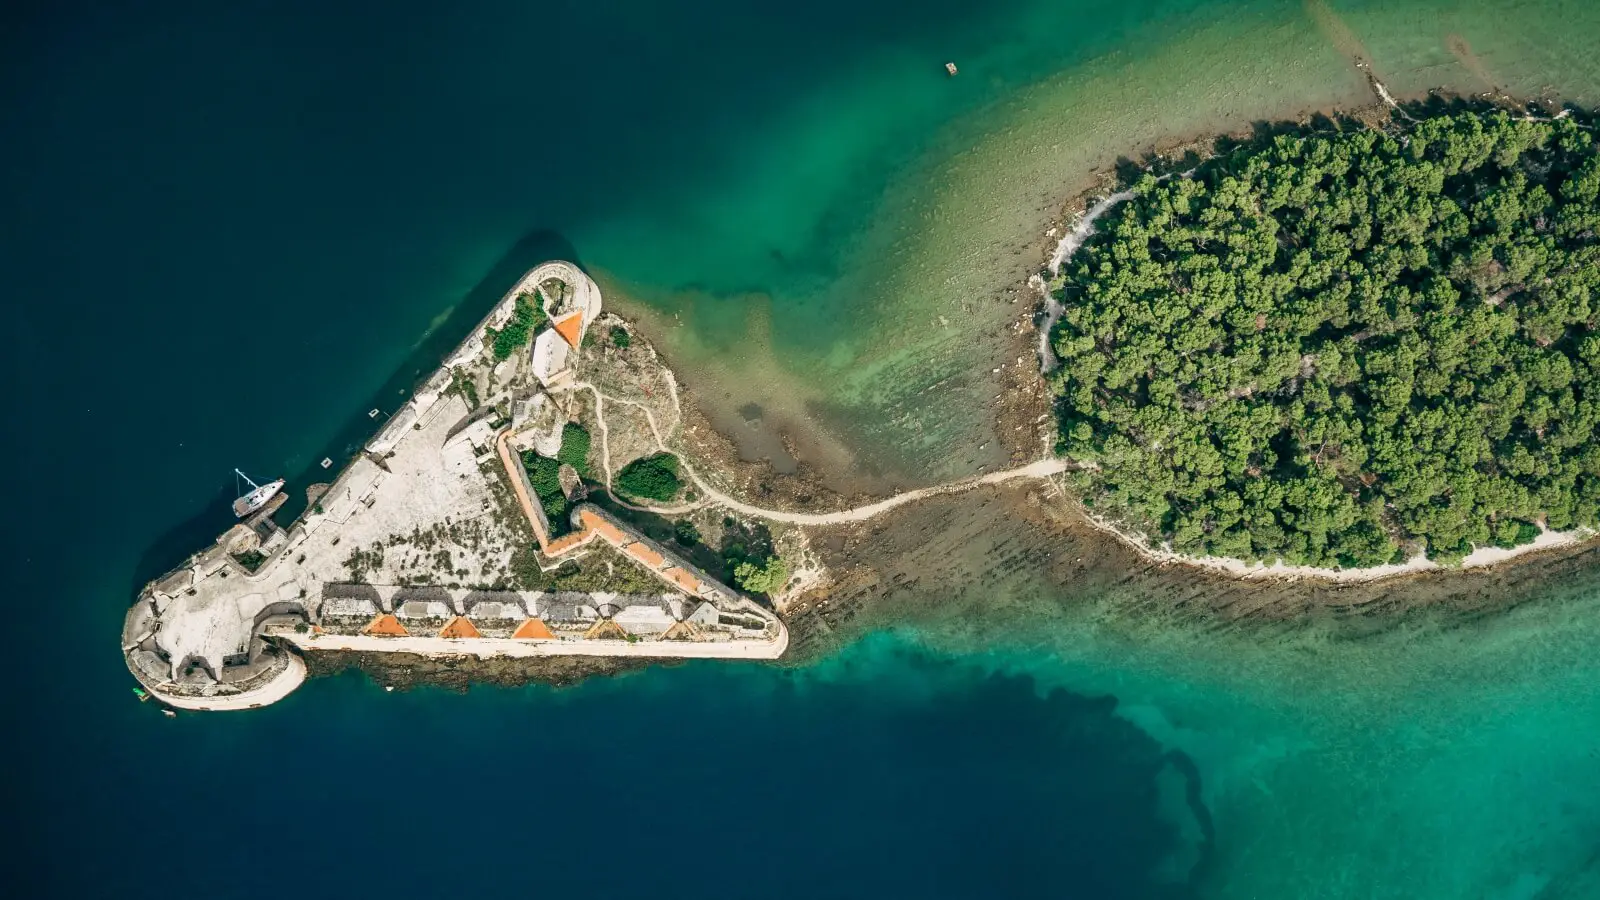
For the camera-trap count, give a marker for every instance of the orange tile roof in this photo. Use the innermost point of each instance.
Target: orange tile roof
(605, 529)
(459, 628)
(682, 579)
(533, 629)
(386, 625)
(642, 552)
(570, 327)
(563, 544)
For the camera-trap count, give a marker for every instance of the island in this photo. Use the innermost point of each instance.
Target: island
(1347, 350)
(464, 527)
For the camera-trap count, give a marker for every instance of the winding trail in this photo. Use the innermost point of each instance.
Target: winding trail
(1043, 468)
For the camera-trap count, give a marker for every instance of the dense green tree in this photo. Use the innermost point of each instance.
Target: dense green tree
(1335, 346)
(544, 474)
(527, 317)
(763, 578)
(651, 478)
(575, 448)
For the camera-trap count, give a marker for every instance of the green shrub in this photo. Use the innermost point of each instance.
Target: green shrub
(465, 386)
(575, 448)
(620, 338)
(685, 533)
(765, 578)
(544, 474)
(652, 478)
(1510, 533)
(526, 319)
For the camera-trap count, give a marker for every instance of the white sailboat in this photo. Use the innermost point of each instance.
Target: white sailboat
(257, 497)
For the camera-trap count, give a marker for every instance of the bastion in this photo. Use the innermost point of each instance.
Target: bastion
(407, 549)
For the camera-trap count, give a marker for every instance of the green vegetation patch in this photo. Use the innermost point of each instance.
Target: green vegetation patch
(251, 560)
(651, 478)
(575, 448)
(544, 474)
(1335, 345)
(620, 338)
(765, 578)
(527, 317)
(685, 533)
(462, 384)
(749, 558)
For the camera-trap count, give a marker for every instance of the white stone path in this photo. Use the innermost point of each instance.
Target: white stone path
(1043, 468)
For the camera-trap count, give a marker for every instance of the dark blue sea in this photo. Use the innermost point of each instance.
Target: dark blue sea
(232, 228)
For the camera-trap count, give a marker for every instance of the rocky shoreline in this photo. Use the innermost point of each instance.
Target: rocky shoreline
(404, 671)
(1018, 555)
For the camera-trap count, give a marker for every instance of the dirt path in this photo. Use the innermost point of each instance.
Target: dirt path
(1043, 468)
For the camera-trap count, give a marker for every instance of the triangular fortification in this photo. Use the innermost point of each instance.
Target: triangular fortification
(680, 631)
(605, 630)
(386, 625)
(532, 630)
(459, 627)
(570, 327)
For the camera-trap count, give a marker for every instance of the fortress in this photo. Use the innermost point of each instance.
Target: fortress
(412, 547)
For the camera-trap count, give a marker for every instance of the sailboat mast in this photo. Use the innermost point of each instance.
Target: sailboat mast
(253, 485)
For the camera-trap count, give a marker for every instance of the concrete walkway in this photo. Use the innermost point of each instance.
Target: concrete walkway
(1043, 468)
(489, 648)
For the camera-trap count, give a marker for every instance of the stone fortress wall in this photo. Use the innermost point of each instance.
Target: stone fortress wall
(213, 635)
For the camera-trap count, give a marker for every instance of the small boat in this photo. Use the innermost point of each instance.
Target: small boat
(169, 714)
(257, 497)
(139, 692)
(950, 67)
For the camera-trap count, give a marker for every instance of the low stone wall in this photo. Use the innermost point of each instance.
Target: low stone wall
(270, 686)
(489, 648)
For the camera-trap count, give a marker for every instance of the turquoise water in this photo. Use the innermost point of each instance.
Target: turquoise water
(1432, 760)
(232, 229)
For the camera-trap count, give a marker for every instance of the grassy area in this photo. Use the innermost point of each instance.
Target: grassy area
(575, 448)
(589, 573)
(465, 386)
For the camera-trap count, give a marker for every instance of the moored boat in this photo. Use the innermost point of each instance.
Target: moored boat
(257, 497)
